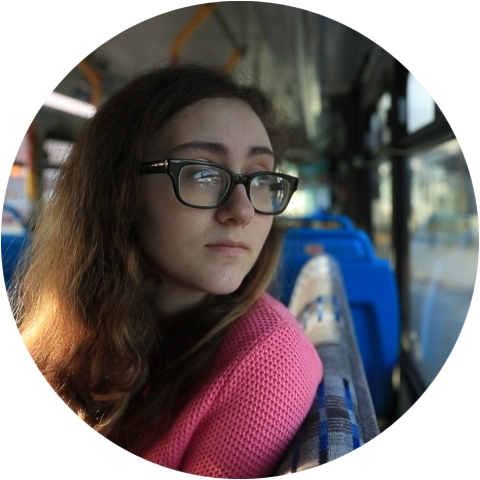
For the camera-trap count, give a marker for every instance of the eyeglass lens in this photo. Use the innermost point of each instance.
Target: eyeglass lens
(207, 186)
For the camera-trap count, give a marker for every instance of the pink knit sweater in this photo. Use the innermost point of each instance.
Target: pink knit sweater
(255, 397)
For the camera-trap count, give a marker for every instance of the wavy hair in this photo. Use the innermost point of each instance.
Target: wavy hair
(83, 296)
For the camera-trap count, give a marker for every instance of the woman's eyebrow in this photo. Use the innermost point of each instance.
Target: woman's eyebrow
(219, 148)
(211, 147)
(257, 151)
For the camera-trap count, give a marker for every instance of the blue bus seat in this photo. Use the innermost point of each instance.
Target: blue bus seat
(12, 247)
(342, 417)
(371, 290)
(13, 243)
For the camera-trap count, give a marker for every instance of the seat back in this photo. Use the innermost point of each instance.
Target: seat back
(371, 289)
(342, 417)
(14, 240)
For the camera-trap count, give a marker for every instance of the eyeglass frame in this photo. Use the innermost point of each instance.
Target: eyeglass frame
(172, 167)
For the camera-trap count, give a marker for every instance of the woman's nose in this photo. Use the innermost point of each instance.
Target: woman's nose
(237, 209)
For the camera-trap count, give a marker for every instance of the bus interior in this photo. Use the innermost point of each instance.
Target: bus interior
(385, 195)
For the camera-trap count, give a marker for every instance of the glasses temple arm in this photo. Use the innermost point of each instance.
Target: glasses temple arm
(154, 167)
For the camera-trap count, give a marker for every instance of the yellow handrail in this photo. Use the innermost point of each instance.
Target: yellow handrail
(31, 179)
(94, 80)
(202, 13)
(234, 57)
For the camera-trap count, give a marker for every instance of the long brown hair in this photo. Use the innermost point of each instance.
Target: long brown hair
(83, 295)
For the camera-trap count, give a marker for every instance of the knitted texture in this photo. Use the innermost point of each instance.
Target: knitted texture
(254, 399)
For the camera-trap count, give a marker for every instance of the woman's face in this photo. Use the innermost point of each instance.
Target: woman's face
(197, 252)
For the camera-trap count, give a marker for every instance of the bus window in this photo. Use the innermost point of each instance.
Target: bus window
(443, 228)
(381, 207)
(17, 209)
(420, 105)
(56, 151)
(382, 211)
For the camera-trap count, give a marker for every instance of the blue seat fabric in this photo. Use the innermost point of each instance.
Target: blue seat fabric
(342, 417)
(372, 294)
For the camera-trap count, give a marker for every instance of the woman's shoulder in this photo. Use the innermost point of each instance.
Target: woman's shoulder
(252, 402)
(271, 374)
(267, 316)
(268, 329)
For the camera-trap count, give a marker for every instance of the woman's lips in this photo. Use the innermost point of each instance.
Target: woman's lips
(228, 248)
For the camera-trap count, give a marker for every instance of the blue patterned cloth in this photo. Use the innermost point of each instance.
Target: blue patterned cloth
(342, 417)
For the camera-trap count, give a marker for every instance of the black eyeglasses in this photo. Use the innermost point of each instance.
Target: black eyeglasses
(202, 184)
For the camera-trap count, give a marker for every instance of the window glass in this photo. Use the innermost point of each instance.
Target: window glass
(381, 179)
(443, 228)
(420, 105)
(382, 210)
(17, 206)
(18, 200)
(379, 134)
(56, 152)
(314, 193)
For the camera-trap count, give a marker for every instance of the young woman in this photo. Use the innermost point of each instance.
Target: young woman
(142, 299)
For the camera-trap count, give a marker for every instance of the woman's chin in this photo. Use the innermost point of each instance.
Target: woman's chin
(224, 288)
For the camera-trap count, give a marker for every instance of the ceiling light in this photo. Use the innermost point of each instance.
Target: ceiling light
(57, 101)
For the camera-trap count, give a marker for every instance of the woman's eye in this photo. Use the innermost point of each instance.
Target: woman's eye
(207, 178)
(263, 183)
(259, 167)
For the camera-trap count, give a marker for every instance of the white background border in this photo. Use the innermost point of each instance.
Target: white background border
(42, 41)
